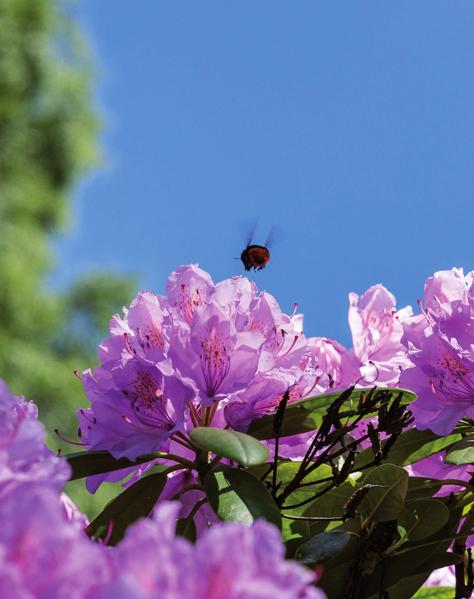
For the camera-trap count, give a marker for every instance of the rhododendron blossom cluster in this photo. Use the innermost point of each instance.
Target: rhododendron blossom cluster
(45, 554)
(223, 355)
(440, 343)
(256, 461)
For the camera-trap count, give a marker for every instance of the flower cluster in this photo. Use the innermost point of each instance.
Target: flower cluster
(45, 554)
(222, 354)
(228, 561)
(225, 355)
(43, 549)
(174, 361)
(440, 343)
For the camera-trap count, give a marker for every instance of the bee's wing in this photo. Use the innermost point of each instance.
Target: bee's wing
(248, 229)
(274, 233)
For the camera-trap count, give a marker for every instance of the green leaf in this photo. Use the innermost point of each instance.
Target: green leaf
(239, 447)
(135, 502)
(295, 532)
(422, 518)
(322, 547)
(422, 487)
(461, 452)
(306, 415)
(410, 447)
(286, 472)
(88, 463)
(410, 568)
(413, 567)
(435, 593)
(385, 502)
(236, 495)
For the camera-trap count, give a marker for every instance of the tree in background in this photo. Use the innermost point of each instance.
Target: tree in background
(48, 131)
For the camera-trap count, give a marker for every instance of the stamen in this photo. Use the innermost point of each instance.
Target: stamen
(295, 339)
(130, 422)
(215, 363)
(425, 312)
(65, 439)
(316, 381)
(127, 343)
(376, 376)
(194, 414)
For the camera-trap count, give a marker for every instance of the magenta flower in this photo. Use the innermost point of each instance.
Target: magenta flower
(215, 355)
(331, 364)
(188, 287)
(254, 568)
(376, 328)
(152, 562)
(141, 333)
(263, 396)
(440, 344)
(229, 561)
(172, 362)
(42, 555)
(284, 343)
(136, 407)
(434, 467)
(23, 453)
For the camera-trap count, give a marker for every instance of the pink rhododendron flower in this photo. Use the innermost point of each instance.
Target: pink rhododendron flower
(213, 353)
(42, 554)
(174, 361)
(136, 407)
(229, 561)
(434, 467)
(262, 396)
(332, 365)
(23, 453)
(440, 344)
(376, 328)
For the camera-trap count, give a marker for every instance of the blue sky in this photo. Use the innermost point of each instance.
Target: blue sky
(349, 126)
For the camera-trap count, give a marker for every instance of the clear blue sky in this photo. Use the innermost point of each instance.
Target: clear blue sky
(348, 125)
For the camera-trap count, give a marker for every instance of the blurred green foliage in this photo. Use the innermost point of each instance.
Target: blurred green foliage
(48, 138)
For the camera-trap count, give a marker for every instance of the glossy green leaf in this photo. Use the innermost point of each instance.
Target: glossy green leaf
(135, 502)
(403, 573)
(239, 447)
(337, 571)
(411, 569)
(435, 593)
(295, 532)
(89, 463)
(286, 472)
(307, 415)
(322, 547)
(422, 518)
(422, 487)
(410, 447)
(385, 501)
(461, 452)
(237, 495)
